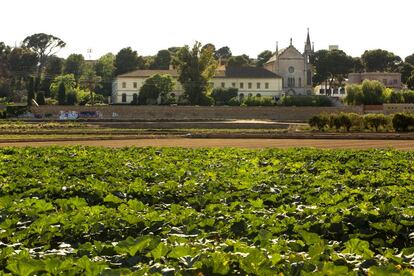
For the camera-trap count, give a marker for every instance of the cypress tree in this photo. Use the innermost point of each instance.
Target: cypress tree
(62, 94)
(30, 92)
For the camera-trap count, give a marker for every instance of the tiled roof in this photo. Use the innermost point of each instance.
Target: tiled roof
(229, 72)
(149, 73)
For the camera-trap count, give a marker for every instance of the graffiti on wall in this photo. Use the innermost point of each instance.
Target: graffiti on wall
(73, 115)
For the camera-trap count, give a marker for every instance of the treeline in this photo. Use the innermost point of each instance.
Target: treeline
(333, 66)
(400, 122)
(375, 93)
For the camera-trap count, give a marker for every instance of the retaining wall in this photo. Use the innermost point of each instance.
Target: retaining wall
(177, 113)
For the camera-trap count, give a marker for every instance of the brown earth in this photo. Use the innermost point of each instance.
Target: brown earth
(239, 143)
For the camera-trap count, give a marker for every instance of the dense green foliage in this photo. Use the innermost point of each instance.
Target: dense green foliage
(306, 101)
(355, 122)
(158, 211)
(222, 96)
(368, 93)
(156, 87)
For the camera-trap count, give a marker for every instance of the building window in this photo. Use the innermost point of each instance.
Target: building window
(241, 96)
(124, 85)
(291, 82)
(249, 85)
(250, 94)
(321, 91)
(124, 98)
(267, 85)
(233, 85)
(135, 85)
(241, 85)
(395, 81)
(258, 85)
(309, 77)
(223, 84)
(258, 95)
(291, 69)
(135, 98)
(300, 82)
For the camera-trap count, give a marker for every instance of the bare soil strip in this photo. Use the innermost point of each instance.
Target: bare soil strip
(237, 143)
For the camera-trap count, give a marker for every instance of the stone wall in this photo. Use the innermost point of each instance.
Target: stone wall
(176, 113)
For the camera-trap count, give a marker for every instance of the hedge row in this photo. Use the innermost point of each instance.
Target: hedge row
(374, 122)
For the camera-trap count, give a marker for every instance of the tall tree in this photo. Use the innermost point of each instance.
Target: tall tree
(127, 60)
(75, 64)
(4, 53)
(53, 68)
(196, 67)
(90, 81)
(223, 53)
(331, 66)
(406, 70)
(380, 60)
(21, 64)
(44, 45)
(30, 92)
(105, 68)
(237, 61)
(156, 86)
(358, 65)
(410, 59)
(62, 94)
(162, 60)
(263, 57)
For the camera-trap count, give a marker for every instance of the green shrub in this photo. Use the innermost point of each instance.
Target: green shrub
(222, 96)
(357, 121)
(235, 101)
(318, 100)
(319, 121)
(206, 101)
(258, 101)
(71, 98)
(402, 121)
(375, 121)
(345, 121)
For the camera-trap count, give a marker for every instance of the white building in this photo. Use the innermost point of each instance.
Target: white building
(250, 81)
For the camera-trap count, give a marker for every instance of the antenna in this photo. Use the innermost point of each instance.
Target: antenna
(89, 51)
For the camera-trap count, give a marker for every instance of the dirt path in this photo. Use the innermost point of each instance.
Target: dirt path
(240, 143)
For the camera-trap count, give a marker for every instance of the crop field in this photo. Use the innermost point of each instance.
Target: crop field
(175, 211)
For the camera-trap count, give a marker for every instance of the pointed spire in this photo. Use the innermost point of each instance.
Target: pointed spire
(308, 42)
(277, 48)
(290, 41)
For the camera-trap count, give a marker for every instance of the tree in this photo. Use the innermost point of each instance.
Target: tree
(53, 68)
(358, 65)
(21, 64)
(105, 68)
(373, 92)
(331, 66)
(30, 92)
(263, 57)
(156, 87)
(90, 81)
(44, 45)
(67, 80)
(62, 94)
(211, 46)
(4, 53)
(237, 61)
(40, 98)
(196, 67)
(380, 61)
(410, 59)
(223, 53)
(224, 95)
(410, 82)
(162, 60)
(406, 70)
(127, 60)
(75, 64)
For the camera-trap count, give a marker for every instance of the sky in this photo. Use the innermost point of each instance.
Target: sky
(246, 26)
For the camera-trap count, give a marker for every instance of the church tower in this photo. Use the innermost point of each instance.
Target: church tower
(308, 66)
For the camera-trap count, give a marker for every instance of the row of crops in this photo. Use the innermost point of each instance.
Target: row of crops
(170, 211)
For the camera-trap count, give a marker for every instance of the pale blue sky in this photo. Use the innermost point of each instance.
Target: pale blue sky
(246, 26)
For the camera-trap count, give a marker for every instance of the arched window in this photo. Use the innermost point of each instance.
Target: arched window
(135, 98)
(241, 95)
(258, 95)
(309, 77)
(300, 82)
(124, 97)
(250, 94)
